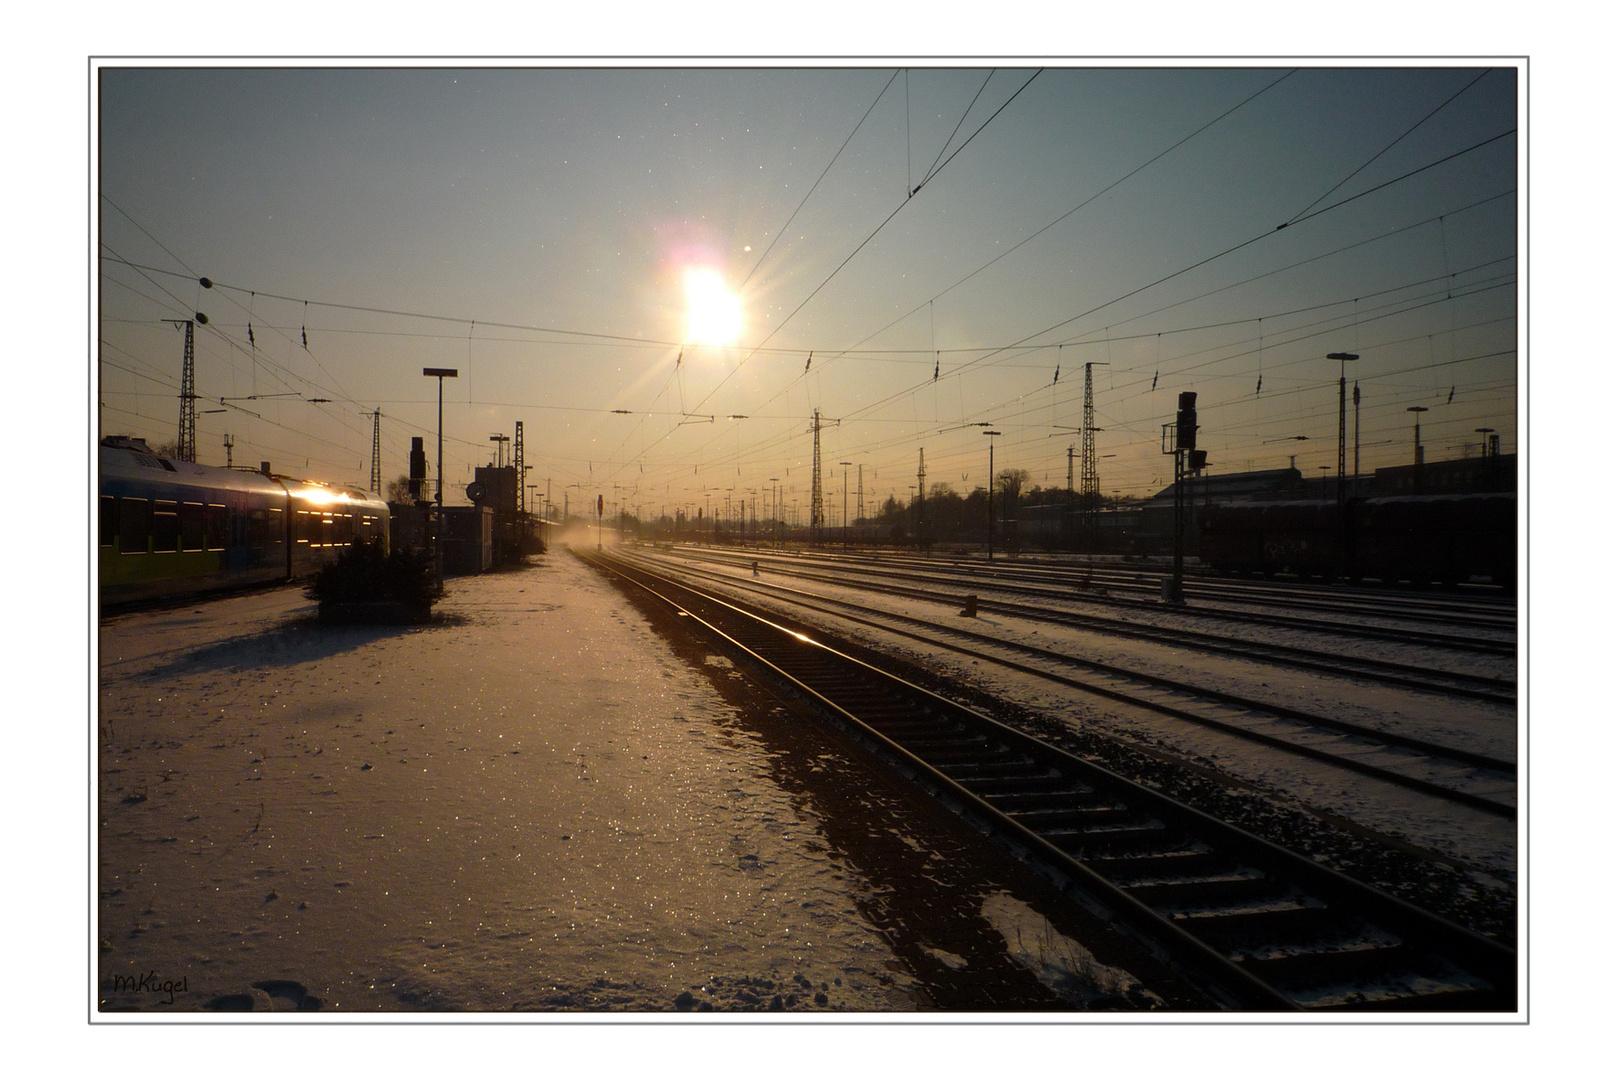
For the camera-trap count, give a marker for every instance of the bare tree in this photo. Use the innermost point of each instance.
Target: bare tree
(1010, 483)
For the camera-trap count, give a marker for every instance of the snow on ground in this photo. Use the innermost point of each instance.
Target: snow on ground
(532, 805)
(1480, 840)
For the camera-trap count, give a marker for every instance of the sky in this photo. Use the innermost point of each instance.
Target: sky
(919, 254)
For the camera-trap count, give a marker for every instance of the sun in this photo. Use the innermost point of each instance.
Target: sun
(713, 312)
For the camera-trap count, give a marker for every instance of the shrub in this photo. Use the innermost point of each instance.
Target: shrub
(364, 573)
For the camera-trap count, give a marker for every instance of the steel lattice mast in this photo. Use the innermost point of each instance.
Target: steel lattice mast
(922, 478)
(815, 484)
(517, 463)
(376, 451)
(1089, 487)
(188, 394)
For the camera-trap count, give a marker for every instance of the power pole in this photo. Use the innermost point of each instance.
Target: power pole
(229, 444)
(815, 483)
(922, 477)
(376, 451)
(1090, 489)
(188, 389)
(517, 463)
(1068, 516)
(860, 491)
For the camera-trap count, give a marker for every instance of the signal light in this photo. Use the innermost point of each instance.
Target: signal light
(1187, 420)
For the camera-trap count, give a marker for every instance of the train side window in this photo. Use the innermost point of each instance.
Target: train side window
(276, 532)
(109, 521)
(132, 526)
(217, 527)
(191, 526)
(165, 525)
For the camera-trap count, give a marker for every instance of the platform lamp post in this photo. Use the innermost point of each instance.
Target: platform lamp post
(846, 465)
(1342, 358)
(990, 492)
(1355, 395)
(440, 373)
(1488, 463)
(1417, 412)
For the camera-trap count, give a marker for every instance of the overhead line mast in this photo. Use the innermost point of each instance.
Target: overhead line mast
(922, 477)
(1090, 489)
(517, 464)
(188, 389)
(376, 450)
(815, 484)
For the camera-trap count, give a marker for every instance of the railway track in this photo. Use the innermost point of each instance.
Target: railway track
(1483, 612)
(978, 579)
(1258, 927)
(1391, 673)
(1454, 775)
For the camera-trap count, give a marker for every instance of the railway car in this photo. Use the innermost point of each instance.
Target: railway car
(1303, 537)
(172, 528)
(1444, 538)
(1419, 539)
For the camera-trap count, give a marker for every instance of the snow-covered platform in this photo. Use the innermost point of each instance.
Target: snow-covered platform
(533, 804)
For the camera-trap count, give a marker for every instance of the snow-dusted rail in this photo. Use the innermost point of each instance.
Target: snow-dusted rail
(1257, 926)
(1453, 774)
(1491, 607)
(1407, 676)
(1097, 592)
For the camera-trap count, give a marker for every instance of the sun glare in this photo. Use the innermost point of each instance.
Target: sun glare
(713, 313)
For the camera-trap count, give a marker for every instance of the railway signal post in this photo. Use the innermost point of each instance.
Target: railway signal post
(440, 373)
(1183, 437)
(990, 491)
(1342, 358)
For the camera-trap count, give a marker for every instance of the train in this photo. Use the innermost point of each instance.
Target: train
(1425, 539)
(174, 528)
